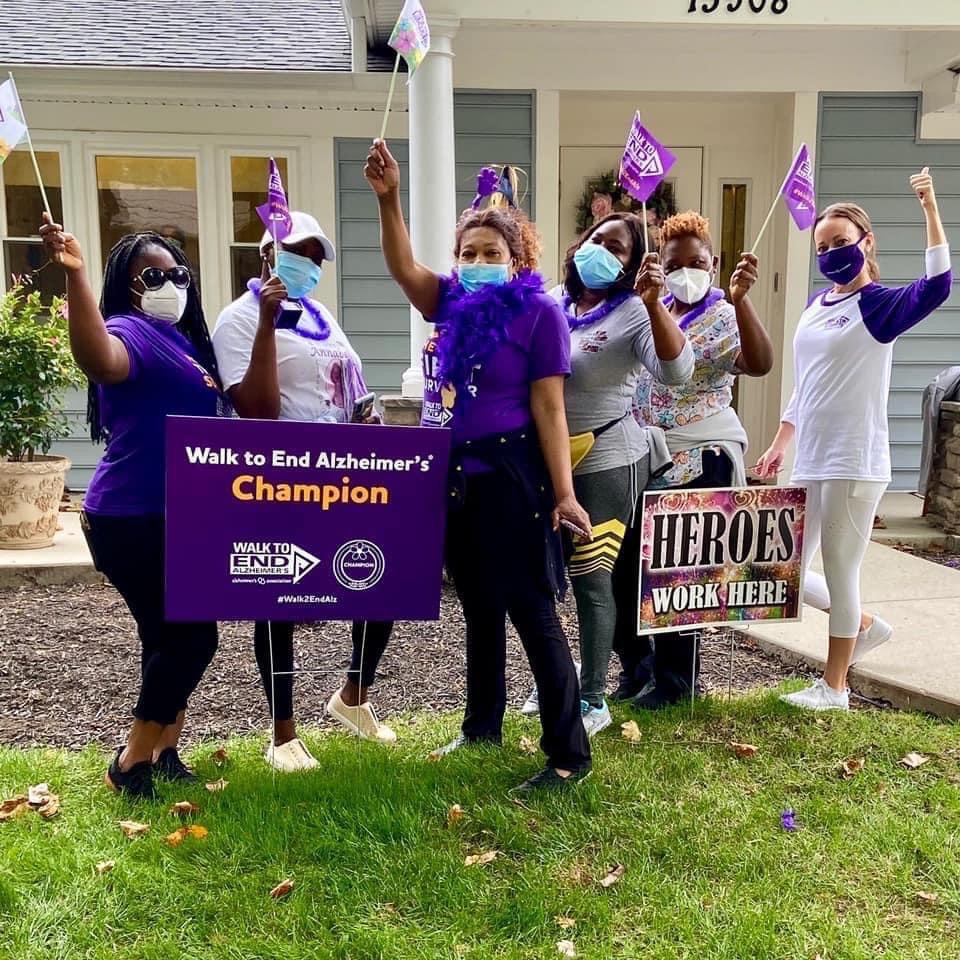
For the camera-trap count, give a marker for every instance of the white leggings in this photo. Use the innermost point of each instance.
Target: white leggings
(839, 520)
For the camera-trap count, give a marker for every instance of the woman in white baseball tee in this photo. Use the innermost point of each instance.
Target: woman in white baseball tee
(843, 356)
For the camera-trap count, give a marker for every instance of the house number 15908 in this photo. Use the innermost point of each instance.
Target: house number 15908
(756, 6)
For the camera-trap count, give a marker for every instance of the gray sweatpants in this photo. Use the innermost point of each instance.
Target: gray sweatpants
(609, 497)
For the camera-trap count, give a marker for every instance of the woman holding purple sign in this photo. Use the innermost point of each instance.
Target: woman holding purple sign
(147, 353)
(703, 432)
(284, 356)
(843, 357)
(494, 374)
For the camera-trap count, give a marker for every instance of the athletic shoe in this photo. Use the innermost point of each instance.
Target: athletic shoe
(360, 721)
(531, 706)
(819, 696)
(461, 741)
(549, 779)
(137, 782)
(595, 719)
(170, 767)
(877, 633)
(290, 757)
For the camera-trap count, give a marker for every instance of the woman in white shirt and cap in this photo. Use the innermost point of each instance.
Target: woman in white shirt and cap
(282, 355)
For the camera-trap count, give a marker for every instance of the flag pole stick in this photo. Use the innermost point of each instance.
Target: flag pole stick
(773, 208)
(33, 155)
(393, 83)
(646, 238)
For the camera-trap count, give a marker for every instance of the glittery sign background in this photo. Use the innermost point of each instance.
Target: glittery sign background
(727, 502)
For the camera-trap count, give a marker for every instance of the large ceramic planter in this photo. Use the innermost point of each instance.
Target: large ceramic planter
(30, 493)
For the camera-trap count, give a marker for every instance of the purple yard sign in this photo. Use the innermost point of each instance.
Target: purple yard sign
(798, 192)
(274, 520)
(716, 557)
(645, 162)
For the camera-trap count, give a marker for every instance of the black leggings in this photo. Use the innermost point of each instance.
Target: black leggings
(672, 660)
(280, 687)
(129, 552)
(497, 558)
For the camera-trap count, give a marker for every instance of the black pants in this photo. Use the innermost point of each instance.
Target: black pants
(129, 552)
(280, 687)
(672, 660)
(497, 557)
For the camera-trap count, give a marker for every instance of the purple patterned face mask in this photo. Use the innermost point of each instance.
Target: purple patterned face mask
(842, 265)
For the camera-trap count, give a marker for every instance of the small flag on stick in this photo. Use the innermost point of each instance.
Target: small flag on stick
(275, 213)
(411, 40)
(798, 193)
(12, 127)
(643, 167)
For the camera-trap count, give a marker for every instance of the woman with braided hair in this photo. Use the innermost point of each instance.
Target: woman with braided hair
(148, 355)
(494, 373)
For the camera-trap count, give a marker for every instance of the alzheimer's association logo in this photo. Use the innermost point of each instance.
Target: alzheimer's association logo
(359, 565)
(256, 562)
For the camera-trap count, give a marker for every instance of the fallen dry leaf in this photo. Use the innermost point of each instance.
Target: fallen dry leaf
(105, 866)
(743, 749)
(197, 832)
(217, 785)
(184, 809)
(220, 757)
(630, 731)
(481, 859)
(281, 889)
(566, 948)
(132, 829)
(851, 767)
(613, 876)
(924, 897)
(50, 807)
(565, 923)
(178, 836)
(14, 807)
(455, 814)
(527, 746)
(913, 760)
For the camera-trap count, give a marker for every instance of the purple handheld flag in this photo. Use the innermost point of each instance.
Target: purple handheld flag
(798, 190)
(275, 213)
(645, 162)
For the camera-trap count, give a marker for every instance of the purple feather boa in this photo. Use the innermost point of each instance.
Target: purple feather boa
(473, 325)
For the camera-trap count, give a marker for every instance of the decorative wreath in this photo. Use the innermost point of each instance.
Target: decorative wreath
(662, 200)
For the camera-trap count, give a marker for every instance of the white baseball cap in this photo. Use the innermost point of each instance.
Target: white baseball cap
(305, 227)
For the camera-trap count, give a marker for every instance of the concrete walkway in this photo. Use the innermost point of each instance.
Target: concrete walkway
(919, 668)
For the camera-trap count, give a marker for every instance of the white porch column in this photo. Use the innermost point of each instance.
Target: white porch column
(433, 181)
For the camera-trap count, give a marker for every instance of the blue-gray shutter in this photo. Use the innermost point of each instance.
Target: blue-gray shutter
(491, 128)
(868, 149)
(77, 446)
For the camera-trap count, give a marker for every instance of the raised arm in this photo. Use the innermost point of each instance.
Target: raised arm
(99, 354)
(922, 185)
(661, 348)
(420, 284)
(756, 348)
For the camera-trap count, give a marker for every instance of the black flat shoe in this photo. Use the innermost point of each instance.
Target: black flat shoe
(137, 782)
(170, 767)
(549, 779)
(656, 700)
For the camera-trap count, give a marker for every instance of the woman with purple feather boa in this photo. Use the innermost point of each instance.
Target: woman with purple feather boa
(494, 373)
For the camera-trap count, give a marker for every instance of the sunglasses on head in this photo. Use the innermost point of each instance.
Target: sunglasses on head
(153, 278)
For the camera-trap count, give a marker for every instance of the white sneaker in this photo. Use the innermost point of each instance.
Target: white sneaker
(877, 633)
(531, 706)
(819, 696)
(361, 721)
(290, 757)
(595, 719)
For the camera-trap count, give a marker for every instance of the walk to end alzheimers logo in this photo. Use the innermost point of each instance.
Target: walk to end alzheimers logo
(354, 514)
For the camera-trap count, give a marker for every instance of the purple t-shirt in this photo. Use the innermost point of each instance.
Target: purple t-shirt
(165, 378)
(498, 401)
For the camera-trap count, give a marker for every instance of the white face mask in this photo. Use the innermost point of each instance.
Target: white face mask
(167, 303)
(689, 285)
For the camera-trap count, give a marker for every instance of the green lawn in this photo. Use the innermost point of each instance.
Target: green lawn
(709, 871)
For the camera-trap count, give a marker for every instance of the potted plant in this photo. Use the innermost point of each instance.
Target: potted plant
(36, 369)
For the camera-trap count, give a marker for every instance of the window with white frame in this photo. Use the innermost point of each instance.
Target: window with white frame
(21, 212)
(248, 189)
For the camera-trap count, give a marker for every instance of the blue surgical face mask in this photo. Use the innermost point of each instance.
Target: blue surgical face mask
(299, 274)
(843, 264)
(473, 276)
(597, 266)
